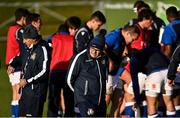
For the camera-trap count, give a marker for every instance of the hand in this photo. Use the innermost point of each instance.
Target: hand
(22, 82)
(170, 82)
(178, 69)
(10, 69)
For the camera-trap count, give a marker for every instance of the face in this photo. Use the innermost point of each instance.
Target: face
(37, 24)
(72, 31)
(24, 20)
(96, 25)
(94, 52)
(28, 42)
(131, 37)
(148, 22)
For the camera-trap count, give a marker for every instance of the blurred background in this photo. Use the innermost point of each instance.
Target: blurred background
(54, 12)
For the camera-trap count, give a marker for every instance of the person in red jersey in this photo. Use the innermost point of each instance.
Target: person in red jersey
(62, 44)
(13, 50)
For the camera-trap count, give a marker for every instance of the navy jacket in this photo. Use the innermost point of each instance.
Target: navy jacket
(82, 39)
(175, 61)
(87, 78)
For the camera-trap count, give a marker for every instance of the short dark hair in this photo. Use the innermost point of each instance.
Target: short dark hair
(32, 17)
(21, 12)
(145, 13)
(99, 16)
(143, 6)
(132, 29)
(73, 22)
(62, 28)
(137, 3)
(172, 11)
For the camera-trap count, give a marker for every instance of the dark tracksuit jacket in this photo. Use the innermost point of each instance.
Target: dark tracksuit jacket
(174, 63)
(35, 70)
(82, 39)
(87, 78)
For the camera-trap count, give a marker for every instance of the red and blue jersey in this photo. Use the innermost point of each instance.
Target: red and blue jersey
(142, 41)
(62, 51)
(171, 33)
(12, 49)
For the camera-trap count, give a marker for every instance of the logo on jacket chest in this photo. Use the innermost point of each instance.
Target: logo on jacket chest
(33, 56)
(103, 62)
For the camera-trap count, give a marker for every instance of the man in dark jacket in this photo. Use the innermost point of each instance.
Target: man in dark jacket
(87, 78)
(85, 34)
(34, 81)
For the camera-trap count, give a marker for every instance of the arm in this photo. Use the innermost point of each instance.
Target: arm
(175, 60)
(167, 50)
(167, 41)
(74, 69)
(134, 74)
(81, 40)
(42, 67)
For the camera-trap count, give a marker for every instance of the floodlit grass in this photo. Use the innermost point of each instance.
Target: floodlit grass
(5, 94)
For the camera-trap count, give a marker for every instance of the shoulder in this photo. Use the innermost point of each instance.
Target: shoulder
(82, 31)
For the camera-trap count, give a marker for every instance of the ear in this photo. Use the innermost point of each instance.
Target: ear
(128, 33)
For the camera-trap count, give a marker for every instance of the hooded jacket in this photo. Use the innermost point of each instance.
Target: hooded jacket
(87, 78)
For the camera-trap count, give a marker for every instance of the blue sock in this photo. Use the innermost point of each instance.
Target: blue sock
(170, 114)
(177, 111)
(143, 109)
(128, 109)
(15, 109)
(161, 111)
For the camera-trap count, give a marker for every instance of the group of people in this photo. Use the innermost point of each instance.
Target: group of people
(135, 67)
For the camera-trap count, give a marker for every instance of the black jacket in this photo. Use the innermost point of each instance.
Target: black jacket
(87, 78)
(174, 63)
(82, 39)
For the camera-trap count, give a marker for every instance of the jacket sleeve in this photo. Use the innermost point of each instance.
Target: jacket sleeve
(42, 67)
(81, 41)
(134, 74)
(16, 62)
(174, 63)
(73, 71)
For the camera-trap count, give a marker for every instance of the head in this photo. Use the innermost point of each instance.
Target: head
(63, 28)
(73, 23)
(96, 20)
(145, 18)
(35, 20)
(130, 33)
(137, 4)
(30, 35)
(21, 15)
(142, 6)
(97, 44)
(172, 13)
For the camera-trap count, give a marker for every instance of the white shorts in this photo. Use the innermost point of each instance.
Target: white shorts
(141, 79)
(156, 83)
(14, 78)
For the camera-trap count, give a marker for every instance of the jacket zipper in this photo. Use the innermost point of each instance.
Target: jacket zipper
(100, 82)
(86, 88)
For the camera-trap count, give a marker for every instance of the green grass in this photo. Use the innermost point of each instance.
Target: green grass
(5, 94)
